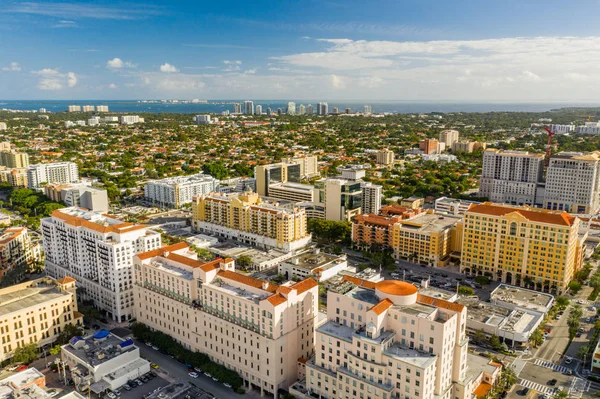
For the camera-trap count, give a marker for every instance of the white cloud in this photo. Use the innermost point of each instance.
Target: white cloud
(173, 83)
(528, 75)
(66, 24)
(251, 71)
(112, 86)
(168, 68)
(47, 72)
(49, 84)
(232, 62)
(13, 67)
(337, 82)
(117, 63)
(232, 65)
(71, 79)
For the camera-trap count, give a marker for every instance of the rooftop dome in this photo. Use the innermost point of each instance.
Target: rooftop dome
(399, 292)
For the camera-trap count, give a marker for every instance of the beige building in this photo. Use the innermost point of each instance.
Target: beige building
(15, 177)
(522, 246)
(266, 175)
(308, 165)
(251, 220)
(17, 251)
(385, 157)
(294, 192)
(36, 312)
(251, 326)
(448, 137)
(386, 340)
(14, 160)
(341, 199)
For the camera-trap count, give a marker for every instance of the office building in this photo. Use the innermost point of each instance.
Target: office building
(14, 160)
(342, 198)
(368, 110)
(74, 108)
(335, 111)
(353, 172)
(88, 108)
(589, 128)
(314, 264)
(17, 252)
(59, 172)
(102, 361)
(511, 176)
(573, 182)
(248, 325)
(387, 340)
(237, 108)
(294, 192)
(291, 108)
(36, 312)
(430, 146)
(98, 254)
(174, 192)
(453, 206)
(266, 175)
(202, 119)
(244, 184)
(301, 109)
(130, 119)
(102, 108)
(309, 166)
(385, 157)
(251, 220)
(372, 194)
(323, 109)
(521, 246)
(83, 196)
(248, 108)
(258, 110)
(448, 137)
(309, 109)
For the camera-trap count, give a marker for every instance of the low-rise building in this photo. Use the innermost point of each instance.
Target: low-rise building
(80, 195)
(29, 384)
(318, 265)
(174, 192)
(453, 206)
(36, 312)
(595, 366)
(180, 390)
(102, 361)
(17, 251)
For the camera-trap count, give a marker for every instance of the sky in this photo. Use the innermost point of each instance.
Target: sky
(422, 50)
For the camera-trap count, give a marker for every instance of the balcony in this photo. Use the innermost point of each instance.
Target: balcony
(381, 385)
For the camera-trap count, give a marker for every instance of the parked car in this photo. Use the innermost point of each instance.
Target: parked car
(568, 360)
(587, 320)
(52, 392)
(150, 376)
(193, 374)
(111, 395)
(126, 387)
(155, 347)
(227, 385)
(22, 367)
(524, 391)
(208, 375)
(215, 379)
(154, 366)
(552, 382)
(197, 369)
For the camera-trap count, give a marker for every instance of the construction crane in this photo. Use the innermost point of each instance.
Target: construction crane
(549, 146)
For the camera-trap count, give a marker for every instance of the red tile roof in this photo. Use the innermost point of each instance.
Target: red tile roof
(304, 285)
(246, 280)
(482, 389)
(276, 299)
(66, 280)
(440, 303)
(360, 282)
(541, 216)
(382, 306)
(162, 250)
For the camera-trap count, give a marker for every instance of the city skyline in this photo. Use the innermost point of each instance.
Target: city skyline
(475, 52)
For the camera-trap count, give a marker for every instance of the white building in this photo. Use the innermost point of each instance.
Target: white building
(59, 172)
(511, 176)
(80, 195)
(110, 119)
(174, 192)
(248, 107)
(237, 108)
(562, 129)
(309, 109)
(323, 109)
(589, 128)
(94, 121)
(291, 108)
(315, 264)
(368, 110)
(301, 109)
(353, 172)
(102, 361)
(74, 108)
(102, 108)
(88, 108)
(448, 137)
(3, 126)
(258, 110)
(453, 206)
(573, 182)
(130, 119)
(372, 194)
(202, 119)
(97, 251)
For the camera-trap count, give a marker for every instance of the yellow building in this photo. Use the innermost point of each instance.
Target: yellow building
(14, 160)
(17, 252)
(36, 312)
(251, 219)
(522, 246)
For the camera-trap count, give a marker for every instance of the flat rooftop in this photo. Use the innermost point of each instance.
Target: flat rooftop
(290, 186)
(522, 297)
(10, 385)
(336, 330)
(158, 264)
(197, 178)
(180, 390)
(416, 309)
(429, 222)
(411, 356)
(364, 295)
(438, 293)
(515, 320)
(311, 260)
(30, 296)
(94, 352)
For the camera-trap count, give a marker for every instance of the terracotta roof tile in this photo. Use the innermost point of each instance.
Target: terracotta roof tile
(541, 216)
(277, 299)
(482, 389)
(303, 360)
(284, 290)
(360, 282)
(162, 250)
(304, 285)
(124, 227)
(382, 306)
(66, 280)
(440, 303)
(246, 280)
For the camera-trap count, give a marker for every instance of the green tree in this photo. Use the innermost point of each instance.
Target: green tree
(25, 354)
(574, 286)
(536, 338)
(583, 351)
(495, 342)
(466, 291)
(55, 350)
(480, 335)
(244, 261)
(562, 301)
(67, 333)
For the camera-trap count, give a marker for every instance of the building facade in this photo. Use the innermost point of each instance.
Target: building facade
(14, 160)
(511, 177)
(36, 312)
(372, 194)
(573, 182)
(448, 137)
(98, 251)
(522, 246)
(385, 157)
(251, 220)
(17, 251)
(60, 172)
(308, 165)
(342, 198)
(283, 172)
(251, 326)
(453, 206)
(430, 146)
(174, 192)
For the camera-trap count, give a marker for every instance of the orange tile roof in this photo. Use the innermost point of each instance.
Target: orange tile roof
(304, 285)
(303, 360)
(207, 267)
(276, 299)
(283, 289)
(482, 389)
(375, 219)
(440, 303)
(360, 282)
(66, 280)
(396, 287)
(162, 250)
(251, 281)
(100, 228)
(498, 365)
(382, 306)
(542, 216)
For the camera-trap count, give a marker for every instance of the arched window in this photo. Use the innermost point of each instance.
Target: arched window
(513, 229)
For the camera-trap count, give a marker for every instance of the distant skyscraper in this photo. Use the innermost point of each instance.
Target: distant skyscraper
(335, 110)
(237, 108)
(258, 110)
(309, 109)
(248, 107)
(291, 108)
(88, 108)
(301, 109)
(279, 111)
(42, 110)
(269, 111)
(348, 110)
(102, 108)
(323, 109)
(368, 109)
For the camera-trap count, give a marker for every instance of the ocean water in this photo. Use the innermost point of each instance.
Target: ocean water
(218, 106)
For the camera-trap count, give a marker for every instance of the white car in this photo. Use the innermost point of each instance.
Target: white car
(52, 393)
(193, 374)
(568, 359)
(227, 385)
(111, 395)
(215, 379)
(155, 348)
(208, 375)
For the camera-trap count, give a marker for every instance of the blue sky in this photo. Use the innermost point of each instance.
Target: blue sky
(336, 50)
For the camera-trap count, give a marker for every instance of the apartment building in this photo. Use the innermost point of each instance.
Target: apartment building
(294, 192)
(174, 192)
(252, 220)
(14, 160)
(522, 246)
(453, 206)
(251, 326)
(448, 137)
(385, 157)
(74, 108)
(15, 177)
(97, 250)
(17, 251)
(573, 182)
(266, 175)
(59, 172)
(81, 195)
(431, 146)
(36, 312)
(308, 165)
(372, 194)
(511, 177)
(342, 199)
(467, 146)
(131, 119)
(386, 340)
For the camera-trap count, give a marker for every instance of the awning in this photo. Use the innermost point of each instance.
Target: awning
(100, 386)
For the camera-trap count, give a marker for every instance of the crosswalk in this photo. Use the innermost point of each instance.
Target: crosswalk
(578, 387)
(552, 366)
(539, 388)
